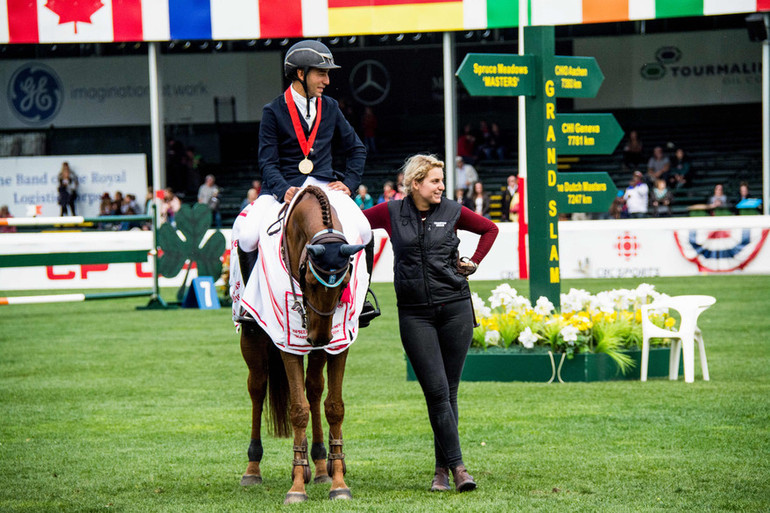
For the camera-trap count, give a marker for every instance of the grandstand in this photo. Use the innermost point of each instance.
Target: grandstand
(723, 143)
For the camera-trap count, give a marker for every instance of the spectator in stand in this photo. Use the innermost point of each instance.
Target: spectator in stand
(661, 199)
(510, 207)
(462, 199)
(132, 205)
(632, 151)
(466, 145)
(465, 174)
(363, 199)
(637, 196)
(257, 184)
(494, 148)
(745, 202)
(6, 214)
(251, 195)
(678, 175)
(718, 199)
(208, 194)
(483, 141)
(68, 189)
(479, 199)
(105, 206)
(658, 165)
(388, 193)
(369, 129)
(117, 204)
(400, 184)
(170, 206)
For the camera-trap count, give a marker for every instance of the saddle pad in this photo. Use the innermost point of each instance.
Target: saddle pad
(268, 296)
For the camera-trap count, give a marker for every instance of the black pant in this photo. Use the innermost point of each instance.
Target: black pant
(436, 340)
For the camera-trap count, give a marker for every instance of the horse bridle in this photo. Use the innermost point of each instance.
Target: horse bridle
(325, 236)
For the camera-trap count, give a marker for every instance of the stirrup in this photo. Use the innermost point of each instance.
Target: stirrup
(369, 311)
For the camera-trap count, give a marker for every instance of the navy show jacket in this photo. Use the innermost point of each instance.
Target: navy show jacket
(280, 152)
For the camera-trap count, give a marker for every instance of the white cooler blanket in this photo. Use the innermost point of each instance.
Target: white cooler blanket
(268, 298)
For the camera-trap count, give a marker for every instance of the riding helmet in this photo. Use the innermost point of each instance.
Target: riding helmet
(305, 55)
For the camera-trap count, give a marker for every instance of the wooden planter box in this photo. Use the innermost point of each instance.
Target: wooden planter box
(507, 365)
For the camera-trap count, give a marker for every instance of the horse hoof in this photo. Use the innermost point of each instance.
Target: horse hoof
(294, 497)
(250, 479)
(340, 493)
(322, 479)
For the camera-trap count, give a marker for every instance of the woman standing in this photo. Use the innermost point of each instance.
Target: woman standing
(68, 189)
(434, 307)
(480, 200)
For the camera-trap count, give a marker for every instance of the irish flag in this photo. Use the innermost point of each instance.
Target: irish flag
(79, 21)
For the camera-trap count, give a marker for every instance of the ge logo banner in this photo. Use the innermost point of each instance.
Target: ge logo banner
(370, 82)
(35, 94)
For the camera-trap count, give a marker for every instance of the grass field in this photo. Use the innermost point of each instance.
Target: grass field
(106, 408)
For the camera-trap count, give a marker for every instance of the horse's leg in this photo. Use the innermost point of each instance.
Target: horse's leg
(254, 347)
(299, 412)
(335, 413)
(314, 385)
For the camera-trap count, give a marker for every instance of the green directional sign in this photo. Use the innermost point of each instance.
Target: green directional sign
(584, 192)
(497, 74)
(586, 134)
(576, 77)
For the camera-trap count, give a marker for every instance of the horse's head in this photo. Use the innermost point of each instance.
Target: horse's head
(324, 275)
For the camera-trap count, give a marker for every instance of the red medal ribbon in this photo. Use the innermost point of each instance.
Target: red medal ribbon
(305, 144)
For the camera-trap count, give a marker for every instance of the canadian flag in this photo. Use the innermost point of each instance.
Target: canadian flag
(74, 21)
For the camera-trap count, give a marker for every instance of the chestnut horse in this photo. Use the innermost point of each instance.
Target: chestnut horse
(318, 257)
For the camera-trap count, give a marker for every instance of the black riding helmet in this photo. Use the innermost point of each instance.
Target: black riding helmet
(305, 55)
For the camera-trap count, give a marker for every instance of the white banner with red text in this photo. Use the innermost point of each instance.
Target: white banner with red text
(639, 248)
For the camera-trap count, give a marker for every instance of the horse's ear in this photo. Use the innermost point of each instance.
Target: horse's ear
(316, 249)
(351, 249)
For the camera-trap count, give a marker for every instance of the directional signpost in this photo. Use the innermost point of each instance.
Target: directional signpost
(542, 77)
(495, 74)
(587, 134)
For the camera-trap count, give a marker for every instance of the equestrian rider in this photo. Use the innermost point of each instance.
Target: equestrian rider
(295, 150)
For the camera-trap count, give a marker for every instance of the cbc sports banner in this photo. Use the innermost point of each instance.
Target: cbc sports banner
(61, 21)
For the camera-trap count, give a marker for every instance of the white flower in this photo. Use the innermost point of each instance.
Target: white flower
(492, 337)
(643, 291)
(481, 309)
(503, 295)
(575, 300)
(543, 306)
(569, 334)
(527, 338)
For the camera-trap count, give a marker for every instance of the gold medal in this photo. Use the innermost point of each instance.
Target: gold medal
(305, 166)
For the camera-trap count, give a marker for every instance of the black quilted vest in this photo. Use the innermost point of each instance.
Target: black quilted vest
(425, 254)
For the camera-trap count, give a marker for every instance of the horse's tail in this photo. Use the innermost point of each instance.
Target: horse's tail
(278, 392)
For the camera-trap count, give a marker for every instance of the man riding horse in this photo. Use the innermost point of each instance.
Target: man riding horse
(313, 248)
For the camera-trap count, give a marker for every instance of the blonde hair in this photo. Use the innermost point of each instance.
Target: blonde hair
(417, 168)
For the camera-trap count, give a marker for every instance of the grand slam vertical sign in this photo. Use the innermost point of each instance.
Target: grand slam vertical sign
(541, 169)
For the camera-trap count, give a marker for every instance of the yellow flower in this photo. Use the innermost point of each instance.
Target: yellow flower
(669, 323)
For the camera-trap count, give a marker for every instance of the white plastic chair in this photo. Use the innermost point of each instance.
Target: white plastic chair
(689, 308)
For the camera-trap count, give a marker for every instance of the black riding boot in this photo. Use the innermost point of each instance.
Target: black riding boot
(246, 261)
(369, 311)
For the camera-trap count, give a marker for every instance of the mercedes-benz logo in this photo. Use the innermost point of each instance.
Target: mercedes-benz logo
(370, 82)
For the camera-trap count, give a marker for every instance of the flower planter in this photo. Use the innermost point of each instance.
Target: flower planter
(522, 365)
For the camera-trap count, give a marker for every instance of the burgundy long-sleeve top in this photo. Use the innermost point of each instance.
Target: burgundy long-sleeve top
(379, 217)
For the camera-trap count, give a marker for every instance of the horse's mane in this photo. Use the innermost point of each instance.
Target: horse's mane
(323, 200)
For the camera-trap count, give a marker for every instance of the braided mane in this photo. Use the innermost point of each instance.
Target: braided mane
(323, 200)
